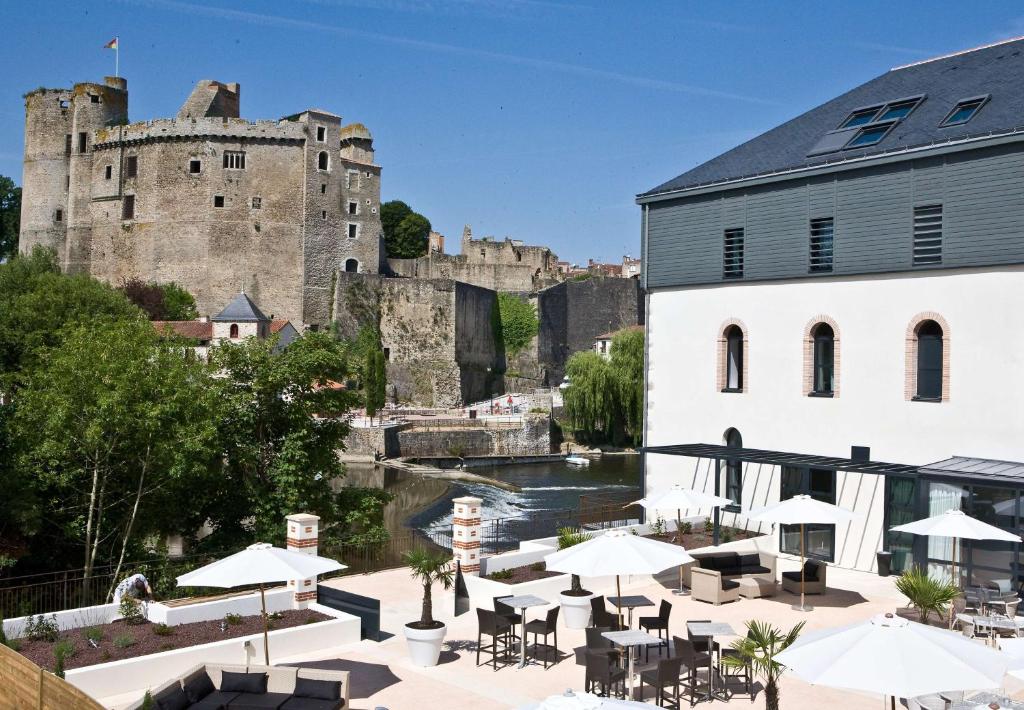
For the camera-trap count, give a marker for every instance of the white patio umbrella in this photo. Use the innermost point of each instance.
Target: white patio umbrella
(894, 656)
(576, 700)
(802, 510)
(959, 526)
(259, 564)
(677, 498)
(617, 552)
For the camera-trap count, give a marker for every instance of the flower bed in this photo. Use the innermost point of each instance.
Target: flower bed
(119, 640)
(524, 573)
(699, 538)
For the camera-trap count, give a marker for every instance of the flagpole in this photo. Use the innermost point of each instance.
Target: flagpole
(117, 57)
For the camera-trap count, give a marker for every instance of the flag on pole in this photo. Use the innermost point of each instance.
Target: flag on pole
(112, 44)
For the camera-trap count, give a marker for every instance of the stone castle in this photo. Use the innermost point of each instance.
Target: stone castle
(207, 199)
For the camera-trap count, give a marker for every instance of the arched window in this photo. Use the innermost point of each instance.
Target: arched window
(824, 358)
(734, 468)
(233, 332)
(733, 359)
(351, 266)
(929, 361)
(323, 161)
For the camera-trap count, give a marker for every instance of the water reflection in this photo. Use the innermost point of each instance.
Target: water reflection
(411, 492)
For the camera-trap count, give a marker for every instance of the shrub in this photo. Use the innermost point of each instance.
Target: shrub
(92, 633)
(163, 630)
(233, 619)
(131, 611)
(275, 615)
(687, 528)
(124, 640)
(64, 648)
(518, 322)
(568, 537)
(147, 702)
(727, 535)
(926, 593)
(60, 652)
(41, 628)
(708, 526)
(538, 566)
(658, 526)
(501, 574)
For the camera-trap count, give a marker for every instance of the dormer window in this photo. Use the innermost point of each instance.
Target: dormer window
(894, 112)
(870, 135)
(891, 111)
(964, 111)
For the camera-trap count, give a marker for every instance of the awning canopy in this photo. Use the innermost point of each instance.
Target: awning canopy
(781, 458)
(988, 470)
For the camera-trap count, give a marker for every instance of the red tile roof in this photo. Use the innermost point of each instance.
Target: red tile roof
(196, 329)
(277, 324)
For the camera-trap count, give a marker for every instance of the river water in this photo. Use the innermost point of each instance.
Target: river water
(425, 502)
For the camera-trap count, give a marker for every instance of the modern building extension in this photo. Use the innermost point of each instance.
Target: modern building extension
(845, 290)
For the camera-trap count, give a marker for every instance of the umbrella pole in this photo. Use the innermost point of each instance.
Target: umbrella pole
(802, 606)
(618, 591)
(266, 643)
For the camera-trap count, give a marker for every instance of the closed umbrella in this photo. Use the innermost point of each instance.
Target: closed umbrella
(959, 526)
(894, 656)
(802, 510)
(259, 564)
(678, 498)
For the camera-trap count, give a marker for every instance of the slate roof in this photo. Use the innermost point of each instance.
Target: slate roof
(996, 70)
(970, 467)
(241, 310)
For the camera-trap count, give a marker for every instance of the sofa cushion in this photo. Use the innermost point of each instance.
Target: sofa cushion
(754, 569)
(312, 704)
(749, 560)
(199, 687)
(728, 584)
(791, 576)
(172, 698)
(217, 700)
(724, 561)
(258, 701)
(319, 689)
(243, 682)
(811, 571)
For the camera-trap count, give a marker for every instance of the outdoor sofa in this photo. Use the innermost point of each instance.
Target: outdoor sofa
(215, 686)
(814, 578)
(732, 565)
(708, 585)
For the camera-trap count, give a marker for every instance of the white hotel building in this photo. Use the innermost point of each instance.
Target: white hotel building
(847, 290)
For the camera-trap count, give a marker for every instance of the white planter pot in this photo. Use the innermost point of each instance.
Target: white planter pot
(425, 644)
(576, 610)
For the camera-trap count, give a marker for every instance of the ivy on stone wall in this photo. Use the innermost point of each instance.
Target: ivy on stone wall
(518, 322)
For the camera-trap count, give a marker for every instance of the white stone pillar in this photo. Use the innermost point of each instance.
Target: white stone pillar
(466, 533)
(303, 536)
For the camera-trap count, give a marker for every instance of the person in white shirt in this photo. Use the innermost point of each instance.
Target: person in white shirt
(136, 586)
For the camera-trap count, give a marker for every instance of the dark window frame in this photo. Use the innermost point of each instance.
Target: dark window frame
(734, 356)
(929, 364)
(823, 345)
(234, 160)
(885, 129)
(131, 166)
(927, 229)
(733, 252)
(733, 473)
(821, 245)
(961, 104)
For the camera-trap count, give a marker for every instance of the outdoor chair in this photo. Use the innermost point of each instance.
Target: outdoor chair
(606, 677)
(497, 627)
(707, 585)
(659, 624)
(814, 578)
(505, 611)
(600, 616)
(704, 644)
(691, 661)
(599, 644)
(544, 627)
(664, 676)
(745, 672)
(1002, 598)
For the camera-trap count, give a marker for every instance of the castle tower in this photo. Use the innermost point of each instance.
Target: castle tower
(95, 109)
(467, 237)
(44, 179)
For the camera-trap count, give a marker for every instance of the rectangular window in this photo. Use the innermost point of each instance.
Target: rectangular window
(323, 188)
(94, 98)
(108, 172)
(257, 203)
(732, 254)
(353, 208)
(323, 214)
(819, 484)
(131, 166)
(58, 216)
(900, 494)
(128, 207)
(234, 159)
(83, 142)
(734, 483)
(321, 133)
(353, 230)
(927, 235)
(67, 144)
(195, 166)
(821, 245)
(218, 200)
(963, 112)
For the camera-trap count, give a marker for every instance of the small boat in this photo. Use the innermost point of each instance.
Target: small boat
(577, 461)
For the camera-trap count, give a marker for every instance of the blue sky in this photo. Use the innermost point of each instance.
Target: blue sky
(537, 119)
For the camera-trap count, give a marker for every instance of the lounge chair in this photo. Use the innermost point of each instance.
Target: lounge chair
(814, 578)
(709, 586)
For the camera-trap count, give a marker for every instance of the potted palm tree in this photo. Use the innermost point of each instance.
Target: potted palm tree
(575, 600)
(926, 594)
(758, 651)
(426, 635)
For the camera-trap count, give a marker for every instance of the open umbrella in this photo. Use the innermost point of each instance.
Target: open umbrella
(894, 656)
(959, 526)
(259, 564)
(802, 510)
(678, 498)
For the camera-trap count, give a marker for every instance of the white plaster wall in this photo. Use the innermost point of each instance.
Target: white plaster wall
(69, 619)
(983, 417)
(279, 599)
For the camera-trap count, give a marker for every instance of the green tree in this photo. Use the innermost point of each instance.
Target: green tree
(111, 425)
(427, 568)
(374, 382)
(758, 651)
(10, 217)
(590, 399)
(406, 233)
(627, 368)
(178, 303)
(160, 301)
(519, 322)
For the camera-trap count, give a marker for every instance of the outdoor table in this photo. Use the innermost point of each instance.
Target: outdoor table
(982, 700)
(630, 601)
(631, 639)
(710, 629)
(989, 625)
(523, 602)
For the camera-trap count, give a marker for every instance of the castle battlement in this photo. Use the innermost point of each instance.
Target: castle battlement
(205, 128)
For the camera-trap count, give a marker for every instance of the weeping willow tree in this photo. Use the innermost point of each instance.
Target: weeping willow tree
(605, 396)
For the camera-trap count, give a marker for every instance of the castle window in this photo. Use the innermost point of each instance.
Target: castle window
(234, 159)
(83, 142)
(128, 207)
(321, 133)
(351, 266)
(353, 230)
(353, 208)
(233, 331)
(323, 188)
(131, 166)
(64, 104)
(387, 353)
(323, 214)
(108, 172)
(195, 166)
(257, 203)
(58, 216)
(67, 144)
(218, 200)
(348, 178)
(94, 98)
(323, 161)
